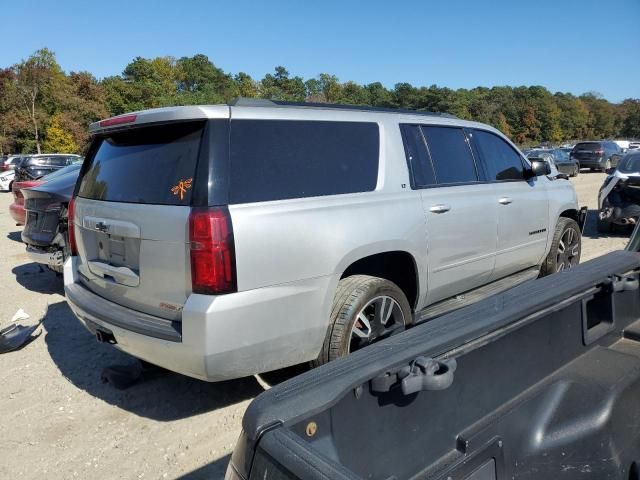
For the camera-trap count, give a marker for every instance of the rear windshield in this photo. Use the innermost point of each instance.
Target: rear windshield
(630, 164)
(587, 146)
(282, 159)
(152, 165)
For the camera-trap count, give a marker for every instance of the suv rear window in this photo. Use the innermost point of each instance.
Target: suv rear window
(591, 146)
(284, 159)
(152, 165)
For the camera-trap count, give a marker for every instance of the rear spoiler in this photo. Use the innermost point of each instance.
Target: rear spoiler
(158, 116)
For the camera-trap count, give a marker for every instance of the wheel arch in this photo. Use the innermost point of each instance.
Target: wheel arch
(397, 266)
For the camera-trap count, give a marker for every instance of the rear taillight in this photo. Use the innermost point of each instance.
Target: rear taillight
(71, 210)
(599, 152)
(213, 269)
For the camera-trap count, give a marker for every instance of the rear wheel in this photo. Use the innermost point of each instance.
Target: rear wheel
(365, 310)
(565, 247)
(576, 172)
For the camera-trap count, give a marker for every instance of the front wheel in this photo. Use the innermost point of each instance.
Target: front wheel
(365, 310)
(565, 247)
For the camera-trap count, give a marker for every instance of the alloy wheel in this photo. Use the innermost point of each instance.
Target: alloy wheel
(568, 253)
(381, 317)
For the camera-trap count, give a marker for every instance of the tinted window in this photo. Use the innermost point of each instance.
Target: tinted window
(450, 154)
(630, 163)
(55, 161)
(278, 159)
(500, 160)
(145, 165)
(560, 155)
(417, 156)
(589, 146)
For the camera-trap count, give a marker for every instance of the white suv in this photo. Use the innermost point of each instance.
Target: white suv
(228, 240)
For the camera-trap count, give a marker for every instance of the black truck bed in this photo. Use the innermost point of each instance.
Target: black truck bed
(547, 386)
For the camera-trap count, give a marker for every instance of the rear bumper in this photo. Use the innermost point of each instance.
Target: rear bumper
(18, 213)
(219, 338)
(593, 163)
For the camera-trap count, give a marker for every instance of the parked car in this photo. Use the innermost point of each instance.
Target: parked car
(16, 209)
(619, 196)
(596, 155)
(546, 156)
(46, 205)
(6, 180)
(540, 382)
(565, 163)
(9, 162)
(37, 166)
(222, 248)
(634, 145)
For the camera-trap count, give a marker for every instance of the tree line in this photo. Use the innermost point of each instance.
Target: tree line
(44, 109)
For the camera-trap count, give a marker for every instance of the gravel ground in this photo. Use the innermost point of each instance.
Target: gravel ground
(60, 421)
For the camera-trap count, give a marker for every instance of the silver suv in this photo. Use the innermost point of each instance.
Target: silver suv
(223, 241)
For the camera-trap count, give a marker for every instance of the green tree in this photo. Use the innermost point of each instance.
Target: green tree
(34, 79)
(280, 86)
(631, 118)
(245, 85)
(57, 140)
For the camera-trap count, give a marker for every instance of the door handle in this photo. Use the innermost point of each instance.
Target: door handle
(440, 208)
(505, 200)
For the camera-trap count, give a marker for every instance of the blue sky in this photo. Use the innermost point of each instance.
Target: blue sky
(565, 45)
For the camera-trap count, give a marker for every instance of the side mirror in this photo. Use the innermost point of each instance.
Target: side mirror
(538, 168)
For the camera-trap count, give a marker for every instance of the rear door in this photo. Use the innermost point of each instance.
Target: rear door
(132, 209)
(523, 206)
(460, 214)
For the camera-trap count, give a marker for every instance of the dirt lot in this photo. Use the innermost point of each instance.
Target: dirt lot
(60, 421)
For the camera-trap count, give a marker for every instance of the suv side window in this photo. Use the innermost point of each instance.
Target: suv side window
(285, 159)
(450, 154)
(420, 166)
(499, 159)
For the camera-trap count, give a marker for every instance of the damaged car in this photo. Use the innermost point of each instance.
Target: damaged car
(619, 196)
(46, 206)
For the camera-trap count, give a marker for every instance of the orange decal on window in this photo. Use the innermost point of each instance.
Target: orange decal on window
(182, 187)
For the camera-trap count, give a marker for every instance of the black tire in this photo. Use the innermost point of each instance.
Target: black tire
(352, 296)
(11, 186)
(558, 260)
(604, 227)
(576, 172)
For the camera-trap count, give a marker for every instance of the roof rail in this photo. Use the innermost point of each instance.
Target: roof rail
(263, 102)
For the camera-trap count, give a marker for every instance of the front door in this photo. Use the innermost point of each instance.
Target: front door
(522, 205)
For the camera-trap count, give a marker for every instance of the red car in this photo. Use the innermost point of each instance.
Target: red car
(16, 209)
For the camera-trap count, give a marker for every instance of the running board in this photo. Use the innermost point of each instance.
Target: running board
(473, 296)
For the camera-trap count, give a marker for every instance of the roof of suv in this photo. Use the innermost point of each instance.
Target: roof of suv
(261, 108)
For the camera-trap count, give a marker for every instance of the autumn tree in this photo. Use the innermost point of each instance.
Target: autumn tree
(57, 140)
